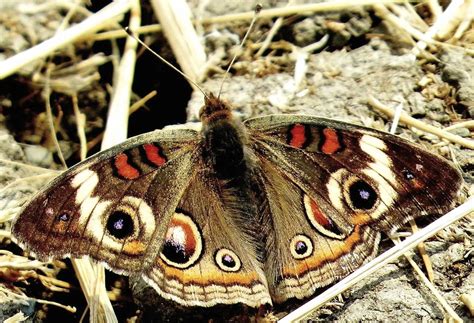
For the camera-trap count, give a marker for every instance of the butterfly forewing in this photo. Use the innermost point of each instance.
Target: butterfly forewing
(115, 205)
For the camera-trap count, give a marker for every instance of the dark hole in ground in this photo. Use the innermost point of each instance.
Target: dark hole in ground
(169, 105)
(173, 91)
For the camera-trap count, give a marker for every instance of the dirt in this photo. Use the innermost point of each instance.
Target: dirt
(361, 58)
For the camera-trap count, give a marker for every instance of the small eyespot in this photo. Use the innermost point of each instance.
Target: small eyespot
(120, 225)
(63, 217)
(227, 260)
(408, 175)
(301, 247)
(362, 195)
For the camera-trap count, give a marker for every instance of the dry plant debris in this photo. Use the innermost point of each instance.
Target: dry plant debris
(62, 62)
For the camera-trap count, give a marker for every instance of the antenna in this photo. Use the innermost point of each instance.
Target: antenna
(258, 8)
(130, 33)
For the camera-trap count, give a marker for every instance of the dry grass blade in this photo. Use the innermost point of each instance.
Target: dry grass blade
(458, 13)
(381, 261)
(297, 10)
(18, 317)
(175, 19)
(89, 25)
(244, 16)
(81, 125)
(49, 113)
(17, 268)
(445, 23)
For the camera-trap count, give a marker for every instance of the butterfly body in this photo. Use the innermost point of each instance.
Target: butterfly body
(223, 140)
(255, 212)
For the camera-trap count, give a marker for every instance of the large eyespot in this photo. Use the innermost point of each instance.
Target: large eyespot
(120, 225)
(362, 196)
(301, 247)
(227, 260)
(183, 243)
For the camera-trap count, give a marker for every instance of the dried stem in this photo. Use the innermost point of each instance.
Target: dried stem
(409, 121)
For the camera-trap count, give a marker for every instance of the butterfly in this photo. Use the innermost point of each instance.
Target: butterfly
(253, 212)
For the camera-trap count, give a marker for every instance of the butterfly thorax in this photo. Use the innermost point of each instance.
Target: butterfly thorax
(223, 139)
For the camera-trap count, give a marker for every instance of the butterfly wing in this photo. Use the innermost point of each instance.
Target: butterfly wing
(209, 254)
(330, 188)
(114, 206)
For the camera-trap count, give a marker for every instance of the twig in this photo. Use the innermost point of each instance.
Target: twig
(444, 24)
(406, 28)
(276, 26)
(68, 308)
(271, 33)
(268, 13)
(316, 45)
(406, 119)
(297, 10)
(27, 166)
(28, 179)
(422, 250)
(469, 124)
(442, 302)
(120, 33)
(140, 103)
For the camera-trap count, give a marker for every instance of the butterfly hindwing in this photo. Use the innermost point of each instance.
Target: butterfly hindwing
(209, 254)
(305, 249)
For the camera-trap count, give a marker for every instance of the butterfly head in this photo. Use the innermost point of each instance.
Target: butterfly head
(214, 109)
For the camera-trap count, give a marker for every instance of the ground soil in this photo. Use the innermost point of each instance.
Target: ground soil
(362, 58)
